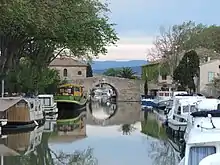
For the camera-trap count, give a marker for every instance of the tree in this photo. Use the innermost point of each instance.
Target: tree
(187, 69)
(89, 72)
(36, 29)
(171, 42)
(112, 72)
(28, 78)
(208, 38)
(127, 72)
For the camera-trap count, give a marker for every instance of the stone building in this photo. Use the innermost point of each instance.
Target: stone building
(208, 71)
(69, 68)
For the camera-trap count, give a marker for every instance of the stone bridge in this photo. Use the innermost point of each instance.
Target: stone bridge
(127, 89)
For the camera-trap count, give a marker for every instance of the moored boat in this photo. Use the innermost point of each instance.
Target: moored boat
(70, 97)
(202, 137)
(18, 113)
(49, 106)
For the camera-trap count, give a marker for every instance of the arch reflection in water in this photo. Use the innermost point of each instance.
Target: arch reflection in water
(103, 111)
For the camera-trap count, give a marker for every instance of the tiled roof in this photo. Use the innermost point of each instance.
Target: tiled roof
(67, 61)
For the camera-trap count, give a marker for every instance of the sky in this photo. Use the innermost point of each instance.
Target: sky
(138, 22)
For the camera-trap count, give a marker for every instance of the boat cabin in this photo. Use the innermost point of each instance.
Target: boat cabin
(14, 110)
(202, 136)
(70, 90)
(48, 105)
(46, 100)
(185, 106)
(208, 104)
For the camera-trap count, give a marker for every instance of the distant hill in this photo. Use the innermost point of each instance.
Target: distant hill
(101, 65)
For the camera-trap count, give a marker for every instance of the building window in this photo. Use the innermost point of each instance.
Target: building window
(211, 76)
(79, 73)
(64, 72)
(164, 77)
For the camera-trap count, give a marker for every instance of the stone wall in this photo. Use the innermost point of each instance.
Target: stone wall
(127, 89)
(72, 72)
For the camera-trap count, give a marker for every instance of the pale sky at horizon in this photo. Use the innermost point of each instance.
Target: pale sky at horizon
(138, 22)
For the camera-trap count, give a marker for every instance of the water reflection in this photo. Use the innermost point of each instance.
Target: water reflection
(162, 151)
(102, 110)
(76, 141)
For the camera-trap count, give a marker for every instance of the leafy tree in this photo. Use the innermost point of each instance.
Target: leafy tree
(171, 42)
(28, 78)
(112, 72)
(37, 28)
(187, 69)
(89, 72)
(208, 38)
(127, 72)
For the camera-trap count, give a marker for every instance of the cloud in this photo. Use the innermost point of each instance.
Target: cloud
(133, 47)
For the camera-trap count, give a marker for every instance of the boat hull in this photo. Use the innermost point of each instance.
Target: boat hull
(13, 127)
(177, 126)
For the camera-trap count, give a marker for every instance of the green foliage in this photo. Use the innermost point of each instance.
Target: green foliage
(187, 69)
(89, 72)
(112, 72)
(37, 28)
(152, 71)
(125, 72)
(29, 78)
(208, 38)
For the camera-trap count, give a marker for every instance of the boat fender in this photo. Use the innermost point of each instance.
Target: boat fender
(36, 122)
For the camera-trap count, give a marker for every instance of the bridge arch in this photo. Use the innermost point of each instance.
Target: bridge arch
(127, 89)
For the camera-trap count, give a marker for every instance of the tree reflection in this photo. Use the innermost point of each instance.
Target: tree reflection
(43, 155)
(162, 153)
(77, 158)
(127, 129)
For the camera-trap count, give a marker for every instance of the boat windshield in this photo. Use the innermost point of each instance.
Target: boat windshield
(196, 154)
(189, 108)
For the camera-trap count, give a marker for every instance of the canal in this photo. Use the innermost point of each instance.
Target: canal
(117, 134)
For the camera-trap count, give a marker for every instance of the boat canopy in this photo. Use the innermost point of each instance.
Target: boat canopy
(214, 113)
(208, 104)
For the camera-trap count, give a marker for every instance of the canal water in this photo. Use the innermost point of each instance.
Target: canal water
(118, 134)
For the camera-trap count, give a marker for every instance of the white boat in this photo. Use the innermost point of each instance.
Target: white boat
(49, 106)
(182, 107)
(202, 137)
(213, 159)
